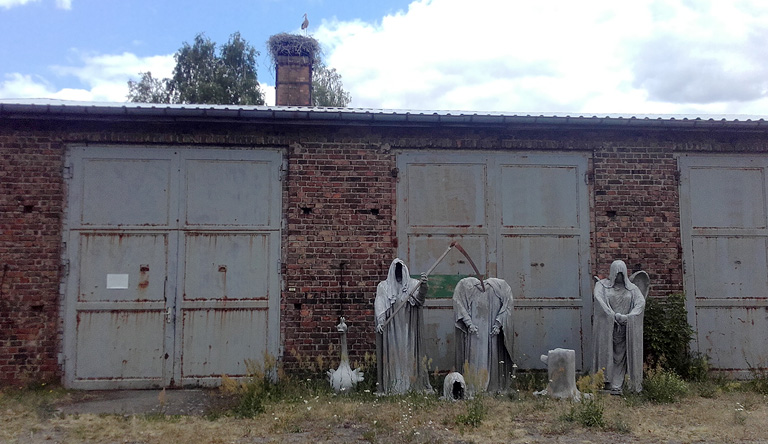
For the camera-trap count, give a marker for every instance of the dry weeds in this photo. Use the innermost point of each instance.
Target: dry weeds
(735, 416)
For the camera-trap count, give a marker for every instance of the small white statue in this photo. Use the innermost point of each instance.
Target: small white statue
(617, 328)
(454, 387)
(343, 379)
(561, 370)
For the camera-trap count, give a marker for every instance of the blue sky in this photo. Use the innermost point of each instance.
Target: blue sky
(591, 56)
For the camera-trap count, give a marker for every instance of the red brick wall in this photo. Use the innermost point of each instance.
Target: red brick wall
(339, 206)
(293, 86)
(636, 214)
(339, 240)
(31, 199)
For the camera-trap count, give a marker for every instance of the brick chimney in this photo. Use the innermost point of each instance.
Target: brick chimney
(293, 86)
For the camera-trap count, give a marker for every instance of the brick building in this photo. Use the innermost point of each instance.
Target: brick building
(145, 246)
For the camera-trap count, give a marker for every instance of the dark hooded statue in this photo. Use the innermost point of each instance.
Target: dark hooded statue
(400, 358)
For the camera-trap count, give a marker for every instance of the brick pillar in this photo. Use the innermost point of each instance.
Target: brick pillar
(294, 81)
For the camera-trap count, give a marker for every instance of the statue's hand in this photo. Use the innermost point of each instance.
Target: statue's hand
(424, 281)
(620, 318)
(379, 328)
(472, 329)
(495, 330)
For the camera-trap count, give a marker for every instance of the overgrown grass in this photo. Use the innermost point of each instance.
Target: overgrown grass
(663, 386)
(312, 412)
(759, 379)
(476, 411)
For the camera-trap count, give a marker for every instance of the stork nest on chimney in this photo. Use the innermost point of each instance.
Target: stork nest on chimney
(285, 44)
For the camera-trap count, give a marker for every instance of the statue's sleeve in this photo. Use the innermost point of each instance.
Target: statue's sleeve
(381, 303)
(461, 307)
(638, 303)
(418, 298)
(600, 300)
(505, 294)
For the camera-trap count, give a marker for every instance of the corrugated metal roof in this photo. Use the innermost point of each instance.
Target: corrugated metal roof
(310, 115)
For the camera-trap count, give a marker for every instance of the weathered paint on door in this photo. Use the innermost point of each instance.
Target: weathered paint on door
(725, 250)
(521, 217)
(173, 257)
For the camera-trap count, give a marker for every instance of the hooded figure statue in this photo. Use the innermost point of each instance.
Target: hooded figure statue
(618, 327)
(400, 358)
(483, 334)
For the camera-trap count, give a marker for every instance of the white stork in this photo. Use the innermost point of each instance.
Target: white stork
(305, 24)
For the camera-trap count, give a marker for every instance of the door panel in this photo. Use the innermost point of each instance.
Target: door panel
(541, 266)
(218, 341)
(540, 196)
(232, 193)
(727, 197)
(226, 266)
(725, 254)
(123, 267)
(446, 195)
(126, 191)
(523, 218)
(725, 267)
(171, 252)
(121, 344)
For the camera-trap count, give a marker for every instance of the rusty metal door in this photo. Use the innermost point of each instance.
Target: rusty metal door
(227, 307)
(148, 231)
(524, 217)
(724, 226)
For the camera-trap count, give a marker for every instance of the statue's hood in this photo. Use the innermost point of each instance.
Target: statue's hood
(616, 268)
(395, 288)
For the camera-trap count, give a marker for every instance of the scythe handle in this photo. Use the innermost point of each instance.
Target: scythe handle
(402, 303)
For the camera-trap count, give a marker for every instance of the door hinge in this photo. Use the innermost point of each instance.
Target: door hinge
(283, 171)
(66, 172)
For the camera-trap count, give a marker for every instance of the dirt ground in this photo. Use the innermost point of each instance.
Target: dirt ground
(52, 416)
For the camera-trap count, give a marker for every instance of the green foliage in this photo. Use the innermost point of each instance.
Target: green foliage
(759, 381)
(476, 411)
(149, 89)
(589, 412)
(663, 386)
(529, 380)
(327, 88)
(667, 336)
(591, 383)
(203, 75)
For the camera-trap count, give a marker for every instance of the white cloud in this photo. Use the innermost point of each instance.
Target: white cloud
(104, 77)
(8, 4)
(269, 94)
(648, 56)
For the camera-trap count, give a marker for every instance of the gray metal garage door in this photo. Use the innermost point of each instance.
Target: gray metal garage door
(173, 265)
(521, 217)
(725, 243)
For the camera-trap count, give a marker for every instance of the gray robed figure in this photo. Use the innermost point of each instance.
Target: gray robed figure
(484, 333)
(400, 357)
(618, 327)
